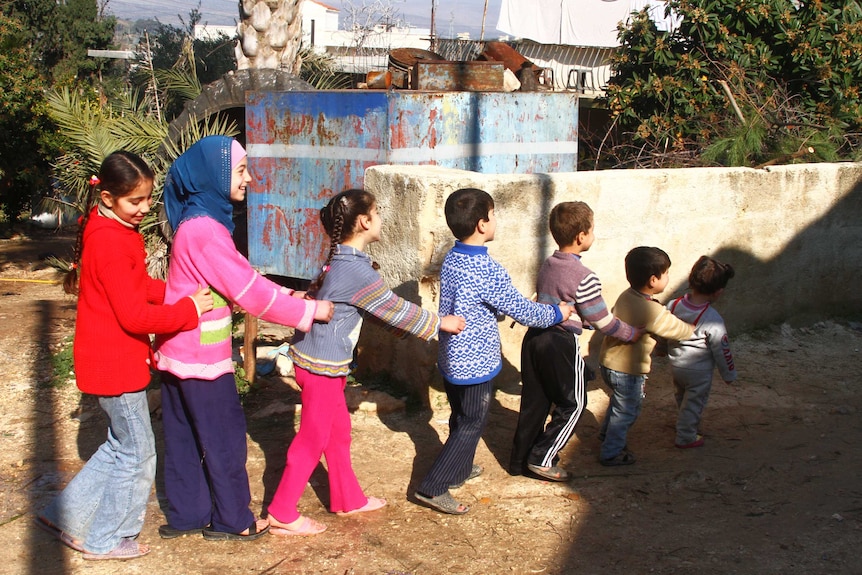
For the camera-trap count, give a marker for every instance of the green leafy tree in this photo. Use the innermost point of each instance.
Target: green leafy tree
(60, 32)
(42, 43)
(739, 83)
(181, 63)
(24, 122)
(92, 131)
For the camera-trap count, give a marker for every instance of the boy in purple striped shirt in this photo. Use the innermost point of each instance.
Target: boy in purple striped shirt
(553, 372)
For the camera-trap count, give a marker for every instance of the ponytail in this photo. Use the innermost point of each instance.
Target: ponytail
(70, 283)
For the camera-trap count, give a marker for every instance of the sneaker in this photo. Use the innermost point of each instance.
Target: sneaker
(622, 458)
(553, 473)
(698, 441)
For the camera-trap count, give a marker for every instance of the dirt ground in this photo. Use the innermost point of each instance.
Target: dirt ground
(775, 490)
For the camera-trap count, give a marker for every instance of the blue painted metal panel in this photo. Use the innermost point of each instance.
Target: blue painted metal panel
(303, 148)
(306, 146)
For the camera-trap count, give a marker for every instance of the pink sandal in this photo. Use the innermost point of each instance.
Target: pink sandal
(127, 549)
(61, 535)
(307, 526)
(373, 504)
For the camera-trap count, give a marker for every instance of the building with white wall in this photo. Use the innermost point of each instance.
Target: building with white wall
(211, 32)
(356, 50)
(319, 21)
(360, 48)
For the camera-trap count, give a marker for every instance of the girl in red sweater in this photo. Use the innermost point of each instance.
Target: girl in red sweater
(101, 511)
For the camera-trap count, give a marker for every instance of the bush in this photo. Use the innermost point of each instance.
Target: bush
(739, 83)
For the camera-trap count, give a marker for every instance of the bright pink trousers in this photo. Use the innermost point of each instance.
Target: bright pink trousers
(324, 429)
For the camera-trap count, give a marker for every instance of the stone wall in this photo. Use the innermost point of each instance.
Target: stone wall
(792, 232)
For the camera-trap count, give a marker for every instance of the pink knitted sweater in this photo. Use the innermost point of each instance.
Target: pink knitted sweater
(203, 253)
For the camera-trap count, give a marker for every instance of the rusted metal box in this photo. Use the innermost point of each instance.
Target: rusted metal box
(304, 147)
(471, 76)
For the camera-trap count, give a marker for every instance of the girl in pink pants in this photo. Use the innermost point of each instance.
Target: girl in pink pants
(322, 360)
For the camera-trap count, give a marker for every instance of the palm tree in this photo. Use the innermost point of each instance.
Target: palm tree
(92, 132)
(135, 122)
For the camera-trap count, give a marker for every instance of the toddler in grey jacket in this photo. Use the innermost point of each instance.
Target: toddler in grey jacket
(694, 359)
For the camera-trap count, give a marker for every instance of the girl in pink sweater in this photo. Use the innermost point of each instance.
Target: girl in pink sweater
(206, 482)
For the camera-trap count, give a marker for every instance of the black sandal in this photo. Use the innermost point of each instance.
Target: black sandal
(253, 533)
(168, 532)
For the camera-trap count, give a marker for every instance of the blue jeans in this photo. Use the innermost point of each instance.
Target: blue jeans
(106, 501)
(623, 410)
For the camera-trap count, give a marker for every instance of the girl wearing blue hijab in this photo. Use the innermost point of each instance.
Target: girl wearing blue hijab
(206, 482)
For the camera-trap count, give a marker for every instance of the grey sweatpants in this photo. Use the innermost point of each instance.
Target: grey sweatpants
(691, 390)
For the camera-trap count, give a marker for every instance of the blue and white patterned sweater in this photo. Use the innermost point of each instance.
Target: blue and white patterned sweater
(477, 288)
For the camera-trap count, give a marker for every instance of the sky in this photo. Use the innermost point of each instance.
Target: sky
(452, 16)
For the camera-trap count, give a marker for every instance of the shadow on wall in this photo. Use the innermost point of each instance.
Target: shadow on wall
(820, 282)
(412, 362)
(815, 283)
(826, 278)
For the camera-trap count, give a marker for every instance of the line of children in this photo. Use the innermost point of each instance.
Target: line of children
(553, 372)
(475, 286)
(101, 511)
(205, 477)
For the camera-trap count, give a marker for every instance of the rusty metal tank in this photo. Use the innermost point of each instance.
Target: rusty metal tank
(402, 63)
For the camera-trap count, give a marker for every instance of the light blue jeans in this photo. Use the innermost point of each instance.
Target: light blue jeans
(623, 410)
(106, 501)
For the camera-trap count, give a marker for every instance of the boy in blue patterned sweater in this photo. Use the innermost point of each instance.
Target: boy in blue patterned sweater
(477, 288)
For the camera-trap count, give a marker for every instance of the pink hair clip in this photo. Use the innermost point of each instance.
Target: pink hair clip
(325, 268)
(94, 180)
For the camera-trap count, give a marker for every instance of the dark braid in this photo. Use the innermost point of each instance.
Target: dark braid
(70, 283)
(120, 174)
(334, 240)
(339, 217)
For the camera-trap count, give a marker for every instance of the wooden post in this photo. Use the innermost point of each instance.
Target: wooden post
(250, 347)
(484, 15)
(433, 43)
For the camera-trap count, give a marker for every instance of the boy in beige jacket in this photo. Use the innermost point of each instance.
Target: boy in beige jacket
(625, 366)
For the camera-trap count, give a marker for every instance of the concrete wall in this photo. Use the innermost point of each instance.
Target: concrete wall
(792, 233)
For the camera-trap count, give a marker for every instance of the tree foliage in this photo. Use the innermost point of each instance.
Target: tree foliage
(176, 57)
(93, 130)
(739, 83)
(24, 123)
(42, 43)
(60, 33)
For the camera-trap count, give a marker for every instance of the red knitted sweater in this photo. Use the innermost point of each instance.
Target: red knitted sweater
(119, 305)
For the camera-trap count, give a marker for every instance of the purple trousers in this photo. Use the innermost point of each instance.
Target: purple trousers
(206, 482)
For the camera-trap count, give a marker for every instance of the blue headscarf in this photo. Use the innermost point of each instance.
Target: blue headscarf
(198, 183)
